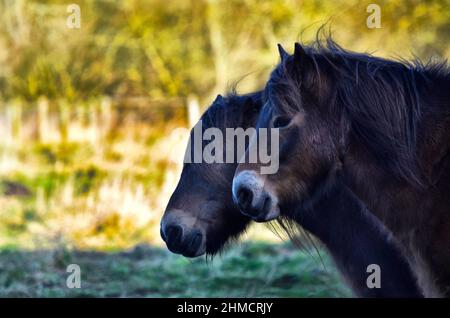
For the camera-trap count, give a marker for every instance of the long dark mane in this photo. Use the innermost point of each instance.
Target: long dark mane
(383, 99)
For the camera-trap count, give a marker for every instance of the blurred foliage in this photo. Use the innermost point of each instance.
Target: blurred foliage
(161, 48)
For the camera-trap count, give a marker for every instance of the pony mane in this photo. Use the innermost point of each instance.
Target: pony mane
(382, 99)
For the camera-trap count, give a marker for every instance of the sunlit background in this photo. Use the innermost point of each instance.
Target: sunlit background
(94, 121)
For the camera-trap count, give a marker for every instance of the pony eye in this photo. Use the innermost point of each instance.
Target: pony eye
(281, 121)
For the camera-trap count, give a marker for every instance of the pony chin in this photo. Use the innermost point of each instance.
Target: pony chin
(219, 245)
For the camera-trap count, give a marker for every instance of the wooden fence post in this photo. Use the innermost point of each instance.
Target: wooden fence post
(193, 108)
(16, 121)
(105, 115)
(64, 118)
(43, 123)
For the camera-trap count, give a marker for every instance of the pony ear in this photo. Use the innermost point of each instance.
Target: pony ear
(282, 51)
(308, 74)
(253, 102)
(300, 56)
(304, 63)
(218, 99)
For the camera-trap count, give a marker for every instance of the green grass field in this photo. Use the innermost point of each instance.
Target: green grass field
(248, 270)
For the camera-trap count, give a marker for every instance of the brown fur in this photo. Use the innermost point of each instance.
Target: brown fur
(381, 127)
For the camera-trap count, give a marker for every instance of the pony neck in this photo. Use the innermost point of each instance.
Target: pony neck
(357, 244)
(379, 189)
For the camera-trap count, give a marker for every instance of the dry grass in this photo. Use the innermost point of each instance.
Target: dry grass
(89, 182)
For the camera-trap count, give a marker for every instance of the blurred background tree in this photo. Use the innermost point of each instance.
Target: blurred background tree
(161, 48)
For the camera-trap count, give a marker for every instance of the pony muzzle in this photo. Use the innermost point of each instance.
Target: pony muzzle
(182, 238)
(252, 198)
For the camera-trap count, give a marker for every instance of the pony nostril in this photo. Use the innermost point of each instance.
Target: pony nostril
(266, 205)
(173, 234)
(266, 209)
(195, 242)
(245, 198)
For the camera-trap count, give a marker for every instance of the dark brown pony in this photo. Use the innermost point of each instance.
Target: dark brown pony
(381, 128)
(201, 216)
